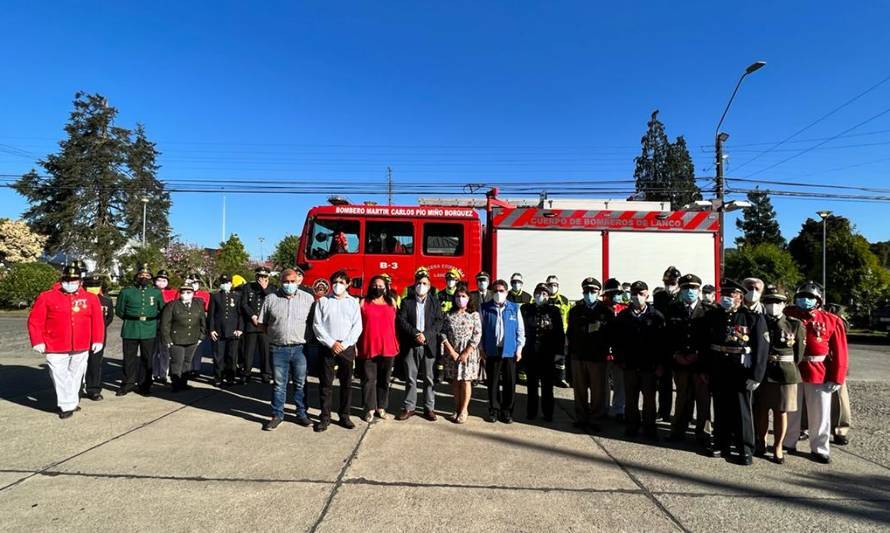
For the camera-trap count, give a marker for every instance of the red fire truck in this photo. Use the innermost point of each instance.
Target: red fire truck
(628, 240)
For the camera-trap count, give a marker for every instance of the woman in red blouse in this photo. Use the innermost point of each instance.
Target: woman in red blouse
(377, 347)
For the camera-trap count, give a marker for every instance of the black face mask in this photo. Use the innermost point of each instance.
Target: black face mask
(376, 292)
(142, 282)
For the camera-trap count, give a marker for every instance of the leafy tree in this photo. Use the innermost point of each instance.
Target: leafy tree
(85, 203)
(285, 254)
(18, 244)
(24, 282)
(769, 262)
(144, 183)
(855, 276)
(664, 171)
(232, 257)
(184, 259)
(882, 250)
(150, 254)
(759, 223)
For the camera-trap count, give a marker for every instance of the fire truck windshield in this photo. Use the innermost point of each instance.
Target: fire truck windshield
(330, 237)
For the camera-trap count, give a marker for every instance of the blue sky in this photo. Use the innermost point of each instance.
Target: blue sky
(449, 93)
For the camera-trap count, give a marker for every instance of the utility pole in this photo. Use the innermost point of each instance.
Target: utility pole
(824, 215)
(389, 184)
(262, 257)
(720, 184)
(144, 211)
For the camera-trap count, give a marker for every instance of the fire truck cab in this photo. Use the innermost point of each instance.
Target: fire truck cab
(365, 240)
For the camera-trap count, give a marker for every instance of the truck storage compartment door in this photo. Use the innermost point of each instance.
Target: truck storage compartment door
(644, 255)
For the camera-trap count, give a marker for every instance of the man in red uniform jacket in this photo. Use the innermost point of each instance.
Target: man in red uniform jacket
(823, 369)
(65, 324)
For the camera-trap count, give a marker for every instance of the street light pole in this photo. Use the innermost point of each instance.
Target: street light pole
(824, 215)
(720, 138)
(144, 210)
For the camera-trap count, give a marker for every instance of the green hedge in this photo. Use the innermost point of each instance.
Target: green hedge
(23, 282)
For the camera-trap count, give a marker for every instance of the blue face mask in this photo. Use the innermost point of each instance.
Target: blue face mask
(807, 304)
(590, 297)
(689, 295)
(618, 298)
(289, 288)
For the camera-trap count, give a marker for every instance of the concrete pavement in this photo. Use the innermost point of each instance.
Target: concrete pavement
(198, 461)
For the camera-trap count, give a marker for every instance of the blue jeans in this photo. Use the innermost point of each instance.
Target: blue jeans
(289, 360)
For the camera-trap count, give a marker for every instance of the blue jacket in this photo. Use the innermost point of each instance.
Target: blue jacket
(514, 338)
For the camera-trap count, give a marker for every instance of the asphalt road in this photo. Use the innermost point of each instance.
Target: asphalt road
(198, 461)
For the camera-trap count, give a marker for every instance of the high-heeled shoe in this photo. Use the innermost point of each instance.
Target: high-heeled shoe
(779, 460)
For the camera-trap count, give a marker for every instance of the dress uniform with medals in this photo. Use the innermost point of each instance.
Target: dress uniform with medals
(183, 325)
(65, 324)
(737, 347)
(544, 338)
(93, 379)
(225, 324)
(778, 392)
(684, 330)
(139, 307)
(822, 370)
(254, 338)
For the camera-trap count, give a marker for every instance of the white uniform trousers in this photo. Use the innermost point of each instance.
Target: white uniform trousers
(67, 371)
(818, 401)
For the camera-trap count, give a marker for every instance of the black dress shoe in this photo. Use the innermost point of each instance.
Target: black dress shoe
(711, 451)
(66, 414)
(821, 458)
(507, 419)
(745, 460)
(321, 426)
(779, 460)
(346, 422)
(491, 418)
(841, 440)
(122, 392)
(760, 452)
(95, 396)
(303, 421)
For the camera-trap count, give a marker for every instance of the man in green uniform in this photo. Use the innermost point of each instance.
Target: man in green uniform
(138, 307)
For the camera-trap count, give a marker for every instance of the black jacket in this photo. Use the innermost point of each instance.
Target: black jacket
(728, 336)
(684, 334)
(589, 331)
(639, 341)
(107, 309)
(224, 316)
(252, 296)
(432, 323)
(544, 336)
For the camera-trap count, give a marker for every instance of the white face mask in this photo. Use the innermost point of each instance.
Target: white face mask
(638, 300)
(774, 309)
(186, 297)
(161, 283)
(70, 286)
(422, 289)
(517, 286)
(195, 285)
(708, 297)
(463, 301)
(483, 285)
(226, 287)
(541, 298)
(451, 283)
(554, 289)
(500, 297)
(752, 296)
(339, 289)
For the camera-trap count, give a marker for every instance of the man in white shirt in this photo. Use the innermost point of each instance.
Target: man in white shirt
(337, 325)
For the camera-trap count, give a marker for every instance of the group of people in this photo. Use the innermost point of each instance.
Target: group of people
(750, 352)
